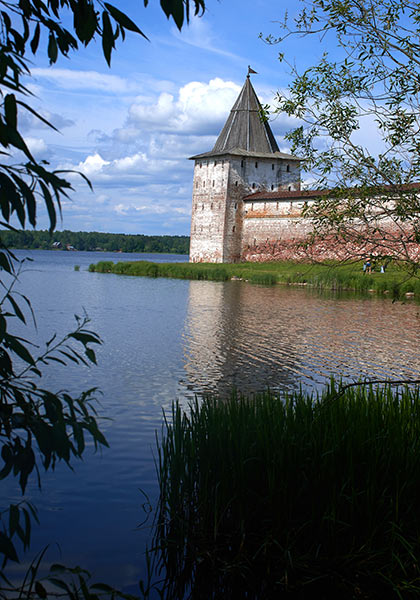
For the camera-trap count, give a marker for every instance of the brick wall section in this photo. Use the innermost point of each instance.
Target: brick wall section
(328, 248)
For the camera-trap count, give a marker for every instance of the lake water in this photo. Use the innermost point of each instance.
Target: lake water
(171, 339)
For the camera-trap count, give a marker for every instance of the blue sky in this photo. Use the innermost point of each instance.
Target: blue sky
(131, 128)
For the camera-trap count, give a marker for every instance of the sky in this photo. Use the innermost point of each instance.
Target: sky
(131, 128)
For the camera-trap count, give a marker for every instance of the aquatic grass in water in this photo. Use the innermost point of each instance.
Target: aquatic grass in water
(326, 276)
(313, 497)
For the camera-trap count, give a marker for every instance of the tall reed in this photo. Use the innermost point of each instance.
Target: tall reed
(308, 497)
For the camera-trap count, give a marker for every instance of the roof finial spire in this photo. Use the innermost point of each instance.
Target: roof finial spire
(251, 71)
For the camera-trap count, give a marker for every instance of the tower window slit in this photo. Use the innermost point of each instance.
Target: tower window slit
(233, 228)
(242, 163)
(253, 186)
(236, 183)
(213, 183)
(272, 167)
(256, 165)
(290, 188)
(272, 187)
(288, 168)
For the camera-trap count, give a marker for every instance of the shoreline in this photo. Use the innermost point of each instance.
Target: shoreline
(395, 283)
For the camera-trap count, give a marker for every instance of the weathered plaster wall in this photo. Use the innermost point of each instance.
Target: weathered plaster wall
(221, 221)
(208, 211)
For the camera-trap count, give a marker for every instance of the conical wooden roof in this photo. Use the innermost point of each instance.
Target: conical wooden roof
(245, 128)
(245, 132)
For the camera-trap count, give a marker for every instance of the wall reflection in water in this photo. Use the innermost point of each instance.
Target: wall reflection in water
(253, 337)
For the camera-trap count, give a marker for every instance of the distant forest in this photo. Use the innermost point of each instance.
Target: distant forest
(109, 242)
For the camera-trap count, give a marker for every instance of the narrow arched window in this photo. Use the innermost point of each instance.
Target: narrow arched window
(288, 168)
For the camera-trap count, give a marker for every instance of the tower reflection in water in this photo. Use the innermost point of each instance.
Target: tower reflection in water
(253, 338)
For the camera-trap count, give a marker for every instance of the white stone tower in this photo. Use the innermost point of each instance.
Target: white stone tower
(245, 159)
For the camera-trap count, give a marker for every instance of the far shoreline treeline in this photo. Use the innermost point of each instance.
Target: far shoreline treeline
(93, 241)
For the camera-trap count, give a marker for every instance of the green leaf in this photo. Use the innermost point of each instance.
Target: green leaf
(50, 206)
(107, 37)
(85, 338)
(7, 548)
(40, 590)
(16, 308)
(123, 20)
(5, 263)
(60, 584)
(36, 114)
(91, 355)
(10, 110)
(35, 40)
(52, 48)
(15, 345)
(13, 518)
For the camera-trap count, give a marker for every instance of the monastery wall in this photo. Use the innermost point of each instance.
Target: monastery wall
(273, 220)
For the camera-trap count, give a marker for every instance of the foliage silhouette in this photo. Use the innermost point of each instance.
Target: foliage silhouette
(38, 426)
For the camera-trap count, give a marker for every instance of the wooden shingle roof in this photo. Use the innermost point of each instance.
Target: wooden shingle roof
(246, 132)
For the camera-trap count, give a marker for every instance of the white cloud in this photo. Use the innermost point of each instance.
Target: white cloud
(131, 163)
(92, 165)
(200, 35)
(200, 108)
(84, 80)
(37, 146)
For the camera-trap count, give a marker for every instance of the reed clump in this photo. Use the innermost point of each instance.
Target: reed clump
(301, 496)
(332, 276)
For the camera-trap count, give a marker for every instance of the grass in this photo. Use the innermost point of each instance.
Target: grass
(292, 496)
(395, 282)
